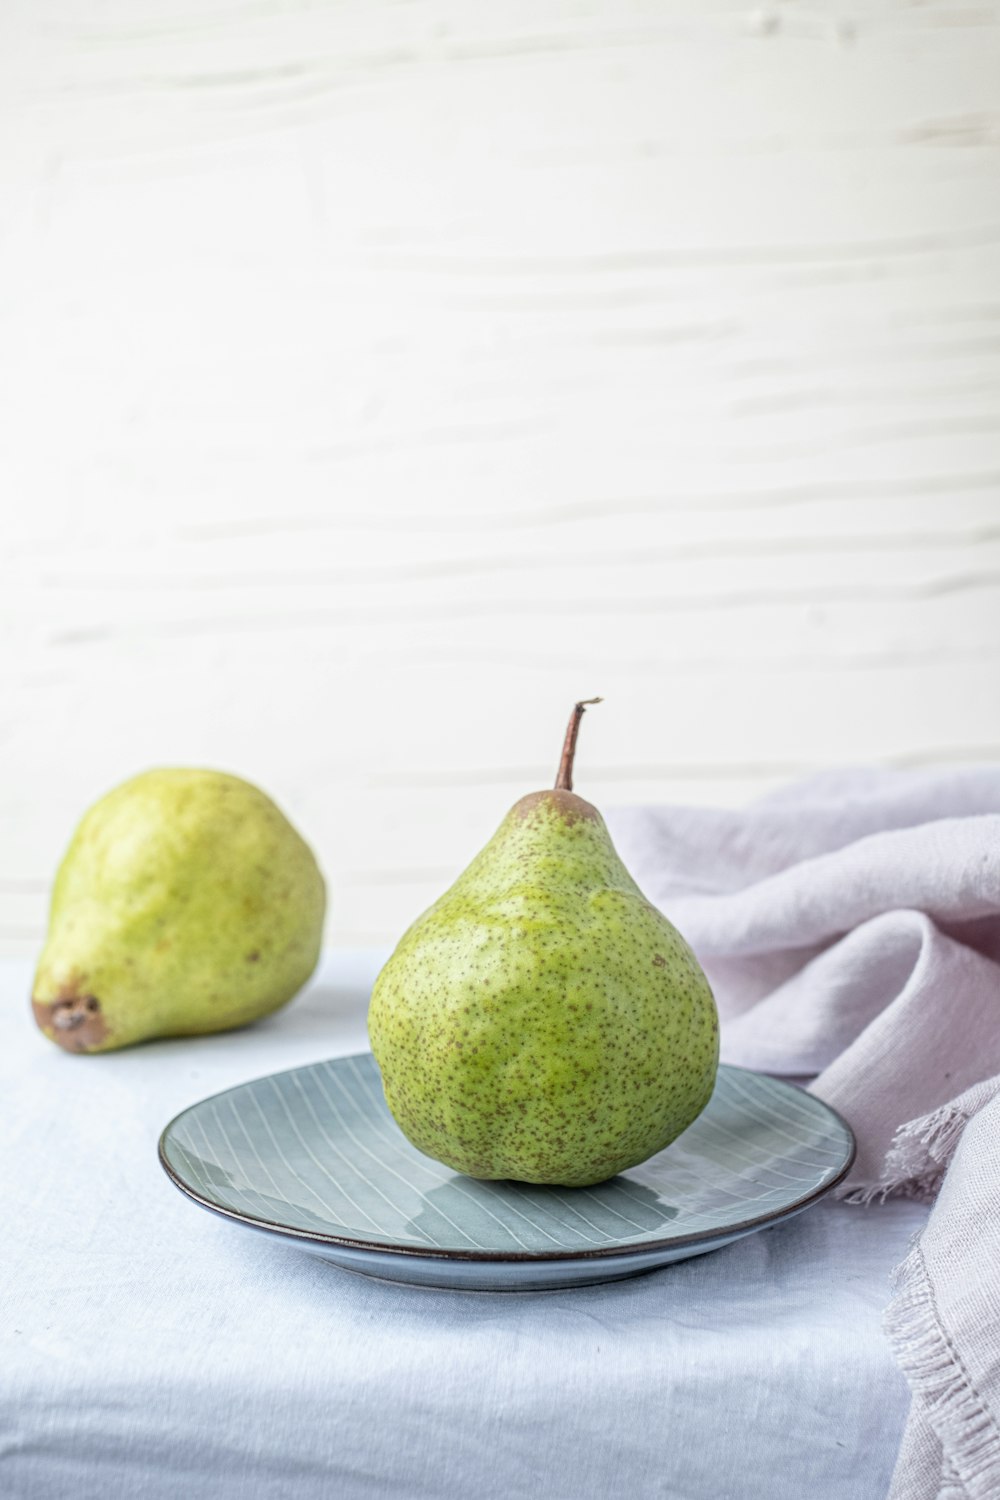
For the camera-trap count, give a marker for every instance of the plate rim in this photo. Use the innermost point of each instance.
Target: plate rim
(314, 1236)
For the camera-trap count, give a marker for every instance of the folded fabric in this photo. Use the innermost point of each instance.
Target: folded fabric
(944, 1319)
(850, 926)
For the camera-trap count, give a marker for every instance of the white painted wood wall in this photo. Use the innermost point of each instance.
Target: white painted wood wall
(376, 378)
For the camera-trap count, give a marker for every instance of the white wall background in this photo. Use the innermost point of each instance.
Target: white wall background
(377, 377)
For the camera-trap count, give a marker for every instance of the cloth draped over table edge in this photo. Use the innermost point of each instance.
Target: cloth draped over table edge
(850, 926)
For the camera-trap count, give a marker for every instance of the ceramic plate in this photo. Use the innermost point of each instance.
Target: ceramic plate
(313, 1157)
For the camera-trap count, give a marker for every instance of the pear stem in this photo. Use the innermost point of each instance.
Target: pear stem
(564, 778)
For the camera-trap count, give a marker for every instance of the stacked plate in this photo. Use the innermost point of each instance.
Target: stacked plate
(314, 1158)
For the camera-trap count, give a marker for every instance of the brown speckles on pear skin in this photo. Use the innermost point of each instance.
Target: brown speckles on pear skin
(542, 1021)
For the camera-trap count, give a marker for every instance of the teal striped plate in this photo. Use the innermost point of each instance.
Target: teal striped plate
(314, 1158)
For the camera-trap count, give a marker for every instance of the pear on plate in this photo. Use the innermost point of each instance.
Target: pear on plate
(543, 1021)
(186, 903)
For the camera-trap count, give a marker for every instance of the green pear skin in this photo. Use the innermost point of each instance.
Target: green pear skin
(186, 903)
(543, 1021)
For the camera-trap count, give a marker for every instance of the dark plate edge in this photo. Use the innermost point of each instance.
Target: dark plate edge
(308, 1236)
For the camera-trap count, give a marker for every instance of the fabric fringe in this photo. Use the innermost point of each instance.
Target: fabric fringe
(880, 1191)
(918, 1158)
(937, 1379)
(922, 1150)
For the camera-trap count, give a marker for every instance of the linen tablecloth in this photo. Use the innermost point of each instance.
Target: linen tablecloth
(150, 1350)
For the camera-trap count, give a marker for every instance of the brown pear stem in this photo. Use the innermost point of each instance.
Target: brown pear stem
(564, 778)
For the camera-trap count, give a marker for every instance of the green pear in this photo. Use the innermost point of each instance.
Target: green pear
(186, 903)
(543, 1021)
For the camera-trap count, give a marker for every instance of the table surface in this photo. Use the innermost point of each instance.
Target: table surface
(150, 1349)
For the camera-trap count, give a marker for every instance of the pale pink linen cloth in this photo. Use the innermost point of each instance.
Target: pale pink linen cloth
(850, 926)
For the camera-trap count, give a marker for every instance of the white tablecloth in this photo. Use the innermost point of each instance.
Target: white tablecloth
(152, 1350)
